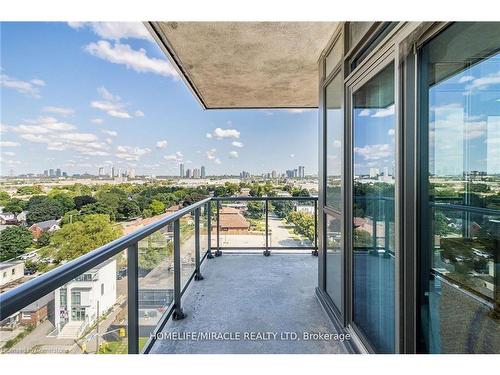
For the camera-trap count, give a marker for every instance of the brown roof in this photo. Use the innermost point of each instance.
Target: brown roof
(230, 218)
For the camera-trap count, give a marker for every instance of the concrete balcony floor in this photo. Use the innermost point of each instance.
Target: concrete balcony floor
(250, 293)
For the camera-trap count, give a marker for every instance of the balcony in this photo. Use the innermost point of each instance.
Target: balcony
(206, 269)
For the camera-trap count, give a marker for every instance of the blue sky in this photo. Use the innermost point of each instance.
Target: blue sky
(80, 96)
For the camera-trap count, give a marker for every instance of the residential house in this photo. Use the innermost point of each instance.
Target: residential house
(44, 226)
(231, 220)
(38, 311)
(80, 302)
(8, 218)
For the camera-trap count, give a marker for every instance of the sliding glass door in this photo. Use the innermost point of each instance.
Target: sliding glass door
(373, 188)
(459, 294)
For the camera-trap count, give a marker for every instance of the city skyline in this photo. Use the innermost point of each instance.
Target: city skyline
(110, 97)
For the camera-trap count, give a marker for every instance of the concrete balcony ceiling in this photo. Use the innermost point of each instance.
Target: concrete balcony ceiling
(247, 64)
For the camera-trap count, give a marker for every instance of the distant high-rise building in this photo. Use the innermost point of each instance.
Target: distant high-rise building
(58, 172)
(113, 172)
(196, 173)
(64, 174)
(51, 173)
(295, 173)
(131, 173)
(188, 173)
(274, 174)
(203, 172)
(101, 171)
(181, 170)
(302, 172)
(46, 173)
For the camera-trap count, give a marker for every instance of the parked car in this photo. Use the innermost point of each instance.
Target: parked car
(28, 255)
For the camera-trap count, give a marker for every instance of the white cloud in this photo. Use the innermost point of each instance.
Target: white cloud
(162, 144)
(111, 133)
(60, 136)
(485, 82)
(237, 144)
(9, 144)
(31, 88)
(59, 110)
(217, 161)
(137, 60)
(178, 157)
(375, 152)
(364, 113)
(219, 133)
(97, 121)
(466, 79)
(209, 136)
(138, 113)
(299, 110)
(111, 104)
(292, 155)
(115, 30)
(131, 153)
(233, 154)
(9, 153)
(384, 112)
(391, 132)
(211, 154)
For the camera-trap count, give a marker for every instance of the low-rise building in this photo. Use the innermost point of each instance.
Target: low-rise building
(40, 228)
(231, 220)
(10, 272)
(7, 218)
(85, 298)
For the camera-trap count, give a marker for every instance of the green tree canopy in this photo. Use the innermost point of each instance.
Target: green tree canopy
(82, 200)
(44, 208)
(76, 239)
(157, 207)
(14, 241)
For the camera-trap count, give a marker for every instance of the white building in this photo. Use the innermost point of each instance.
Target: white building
(11, 271)
(77, 303)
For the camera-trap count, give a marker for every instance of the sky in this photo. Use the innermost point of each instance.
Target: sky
(79, 96)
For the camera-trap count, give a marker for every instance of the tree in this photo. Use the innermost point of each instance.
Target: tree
(43, 209)
(153, 250)
(282, 208)
(82, 200)
(97, 208)
(29, 190)
(4, 198)
(65, 200)
(14, 205)
(157, 207)
(127, 209)
(14, 241)
(76, 239)
(255, 210)
(43, 240)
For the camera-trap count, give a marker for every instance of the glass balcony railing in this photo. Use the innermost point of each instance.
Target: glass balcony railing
(139, 279)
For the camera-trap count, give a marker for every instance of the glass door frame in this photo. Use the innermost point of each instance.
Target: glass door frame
(372, 68)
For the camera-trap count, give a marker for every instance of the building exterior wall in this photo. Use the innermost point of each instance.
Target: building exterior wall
(432, 313)
(14, 272)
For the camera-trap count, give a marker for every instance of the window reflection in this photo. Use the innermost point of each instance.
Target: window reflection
(460, 294)
(373, 205)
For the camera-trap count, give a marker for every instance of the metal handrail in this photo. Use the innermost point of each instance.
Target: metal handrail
(25, 294)
(266, 249)
(32, 290)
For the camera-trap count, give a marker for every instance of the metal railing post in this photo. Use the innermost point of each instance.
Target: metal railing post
(267, 252)
(133, 298)
(197, 275)
(209, 233)
(315, 251)
(218, 253)
(178, 313)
